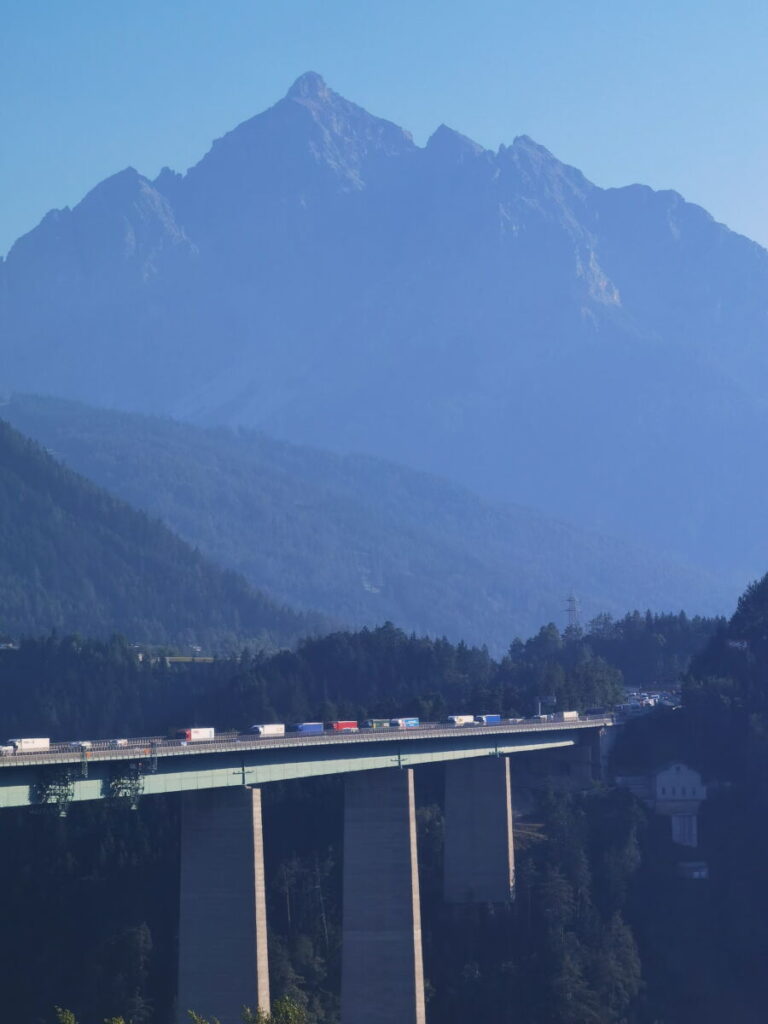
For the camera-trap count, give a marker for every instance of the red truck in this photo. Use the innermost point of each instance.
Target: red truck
(342, 726)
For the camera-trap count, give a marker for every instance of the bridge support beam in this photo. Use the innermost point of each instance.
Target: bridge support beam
(382, 979)
(479, 864)
(223, 963)
(584, 761)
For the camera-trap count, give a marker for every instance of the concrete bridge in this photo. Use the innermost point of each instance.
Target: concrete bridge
(223, 962)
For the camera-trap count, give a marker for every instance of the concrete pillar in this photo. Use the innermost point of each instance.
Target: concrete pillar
(382, 975)
(585, 758)
(223, 963)
(479, 862)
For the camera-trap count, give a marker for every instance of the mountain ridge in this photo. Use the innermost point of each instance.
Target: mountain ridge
(491, 317)
(358, 538)
(75, 559)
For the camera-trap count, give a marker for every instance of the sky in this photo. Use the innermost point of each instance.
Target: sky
(671, 94)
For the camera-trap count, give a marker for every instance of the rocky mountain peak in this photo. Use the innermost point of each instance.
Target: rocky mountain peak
(448, 142)
(309, 86)
(318, 275)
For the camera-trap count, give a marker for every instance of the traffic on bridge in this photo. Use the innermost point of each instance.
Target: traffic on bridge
(202, 740)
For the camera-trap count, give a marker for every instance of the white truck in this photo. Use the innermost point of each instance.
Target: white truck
(565, 716)
(461, 719)
(28, 745)
(196, 735)
(274, 729)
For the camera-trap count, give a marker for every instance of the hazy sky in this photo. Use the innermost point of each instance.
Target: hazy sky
(672, 94)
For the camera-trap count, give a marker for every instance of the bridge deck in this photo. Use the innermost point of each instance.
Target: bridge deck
(167, 766)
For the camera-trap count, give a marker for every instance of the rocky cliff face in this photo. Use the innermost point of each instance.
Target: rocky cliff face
(490, 316)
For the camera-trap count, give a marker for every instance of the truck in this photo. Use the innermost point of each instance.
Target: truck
(28, 745)
(307, 728)
(565, 716)
(375, 723)
(404, 723)
(196, 735)
(461, 719)
(273, 729)
(342, 726)
(488, 719)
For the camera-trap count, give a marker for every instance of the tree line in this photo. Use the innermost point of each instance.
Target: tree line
(101, 885)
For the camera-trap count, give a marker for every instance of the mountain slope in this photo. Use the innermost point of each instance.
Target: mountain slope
(75, 559)
(490, 316)
(361, 539)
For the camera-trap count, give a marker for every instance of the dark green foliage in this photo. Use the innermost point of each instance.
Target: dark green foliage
(651, 650)
(88, 920)
(75, 559)
(561, 666)
(563, 952)
(359, 538)
(590, 668)
(284, 1011)
(103, 882)
(71, 687)
(702, 943)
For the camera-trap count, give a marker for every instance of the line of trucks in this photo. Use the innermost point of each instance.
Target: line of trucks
(316, 728)
(203, 734)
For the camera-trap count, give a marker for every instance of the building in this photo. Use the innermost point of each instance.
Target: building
(676, 791)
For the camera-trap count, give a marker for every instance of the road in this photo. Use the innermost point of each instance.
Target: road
(162, 747)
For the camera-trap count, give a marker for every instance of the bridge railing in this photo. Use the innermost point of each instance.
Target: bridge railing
(138, 748)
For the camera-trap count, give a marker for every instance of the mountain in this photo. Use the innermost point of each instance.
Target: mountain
(75, 559)
(493, 317)
(360, 539)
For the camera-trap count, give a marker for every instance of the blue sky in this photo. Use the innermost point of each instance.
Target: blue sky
(672, 94)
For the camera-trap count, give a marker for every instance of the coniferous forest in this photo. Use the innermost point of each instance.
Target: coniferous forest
(362, 539)
(73, 558)
(602, 928)
(308, 418)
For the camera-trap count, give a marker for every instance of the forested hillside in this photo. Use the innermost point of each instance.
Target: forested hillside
(491, 316)
(361, 539)
(103, 881)
(382, 671)
(76, 559)
(703, 944)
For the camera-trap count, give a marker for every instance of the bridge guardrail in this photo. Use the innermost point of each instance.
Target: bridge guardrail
(163, 747)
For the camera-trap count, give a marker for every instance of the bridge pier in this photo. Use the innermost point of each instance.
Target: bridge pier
(223, 963)
(479, 865)
(382, 979)
(582, 764)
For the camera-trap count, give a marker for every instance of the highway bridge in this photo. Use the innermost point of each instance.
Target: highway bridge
(223, 962)
(64, 773)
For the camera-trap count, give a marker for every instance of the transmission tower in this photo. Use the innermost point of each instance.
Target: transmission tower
(573, 610)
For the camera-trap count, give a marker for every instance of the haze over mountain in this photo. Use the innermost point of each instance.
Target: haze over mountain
(78, 560)
(600, 354)
(358, 538)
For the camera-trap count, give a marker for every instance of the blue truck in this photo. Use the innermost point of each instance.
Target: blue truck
(307, 728)
(404, 723)
(488, 719)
